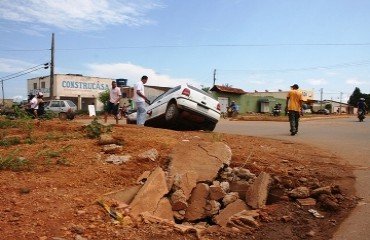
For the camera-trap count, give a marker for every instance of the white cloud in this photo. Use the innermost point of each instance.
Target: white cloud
(134, 72)
(317, 82)
(14, 66)
(355, 82)
(78, 15)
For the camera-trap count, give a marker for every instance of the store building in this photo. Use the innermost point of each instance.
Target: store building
(82, 90)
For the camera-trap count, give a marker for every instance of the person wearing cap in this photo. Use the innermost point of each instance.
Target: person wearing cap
(294, 102)
(113, 103)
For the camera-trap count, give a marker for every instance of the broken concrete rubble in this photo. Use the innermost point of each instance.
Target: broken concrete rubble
(205, 159)
(201, 187)
(150, 193)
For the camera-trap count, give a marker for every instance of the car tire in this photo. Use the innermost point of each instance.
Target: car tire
(172, 113)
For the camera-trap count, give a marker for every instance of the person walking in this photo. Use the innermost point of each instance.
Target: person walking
(140, 99)
(113, 103)
(294, 102)
(33, 106)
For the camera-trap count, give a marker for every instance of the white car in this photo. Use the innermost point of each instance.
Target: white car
(65, 109)
(184, 107)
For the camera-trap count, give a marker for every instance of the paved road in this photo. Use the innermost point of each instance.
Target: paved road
(346, 137)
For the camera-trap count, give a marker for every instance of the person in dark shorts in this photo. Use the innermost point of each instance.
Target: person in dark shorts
(113, 103)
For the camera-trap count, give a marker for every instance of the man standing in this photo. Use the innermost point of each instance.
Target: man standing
(294, 102)
(140, 100)
(113, 103)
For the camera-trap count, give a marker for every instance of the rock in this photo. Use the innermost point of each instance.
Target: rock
(216, 192)
(205, 158)
(243, 173)
(151, 154)
(178, 201)
(329, 202)
(212, 208)
(114, 159)
(256, 195)
(112, 148)
(106, 139)
(299, 192)
(231, 209)
(230, 198)
(186, 182)
(150, 193)
(322, 190)
(198, 201)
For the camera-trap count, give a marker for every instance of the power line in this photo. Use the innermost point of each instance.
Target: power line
(195, 45)
(265, 71)
(44, 65)
(24, 72)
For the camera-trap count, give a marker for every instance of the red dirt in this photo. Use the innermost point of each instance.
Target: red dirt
(56, 197)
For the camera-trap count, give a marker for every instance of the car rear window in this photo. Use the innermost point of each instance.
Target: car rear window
(71, 104)
(199, 90)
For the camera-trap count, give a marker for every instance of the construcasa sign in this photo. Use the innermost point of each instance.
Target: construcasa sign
(84, 85)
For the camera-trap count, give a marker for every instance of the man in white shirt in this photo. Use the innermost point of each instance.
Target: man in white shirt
(140, 100)
(113, 103)
(33, 106)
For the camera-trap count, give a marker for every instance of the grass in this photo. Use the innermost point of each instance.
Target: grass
(13, 162)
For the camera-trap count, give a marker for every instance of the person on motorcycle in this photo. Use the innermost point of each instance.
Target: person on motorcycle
(362, 106)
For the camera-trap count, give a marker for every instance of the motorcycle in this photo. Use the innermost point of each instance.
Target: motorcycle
(276, 112)
(361, 115)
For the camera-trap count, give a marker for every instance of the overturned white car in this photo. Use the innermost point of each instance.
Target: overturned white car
(184, 107)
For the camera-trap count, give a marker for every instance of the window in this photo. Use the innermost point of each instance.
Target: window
(54, 104)
(42, 84)
(34, 85)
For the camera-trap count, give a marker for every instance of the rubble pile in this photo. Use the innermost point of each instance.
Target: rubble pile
(200, 188)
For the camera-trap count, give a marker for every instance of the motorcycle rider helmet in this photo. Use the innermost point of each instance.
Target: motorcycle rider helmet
(362, 99)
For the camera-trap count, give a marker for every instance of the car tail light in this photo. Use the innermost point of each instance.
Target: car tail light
(186, 92)
(218, 107)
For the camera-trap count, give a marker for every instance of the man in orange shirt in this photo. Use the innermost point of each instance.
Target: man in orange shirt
(294, 102)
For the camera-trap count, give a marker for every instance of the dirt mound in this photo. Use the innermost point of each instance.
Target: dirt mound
(61, 174)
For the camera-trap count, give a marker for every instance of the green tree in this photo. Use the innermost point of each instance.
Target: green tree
(355, 97)
(104, 97)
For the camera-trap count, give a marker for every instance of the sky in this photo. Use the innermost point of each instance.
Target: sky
(321, 45)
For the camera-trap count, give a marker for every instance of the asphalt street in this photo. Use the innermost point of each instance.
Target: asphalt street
(346, 137)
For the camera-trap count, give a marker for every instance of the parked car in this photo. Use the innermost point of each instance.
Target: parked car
(184, 107)
(65, 109)
(323, 111)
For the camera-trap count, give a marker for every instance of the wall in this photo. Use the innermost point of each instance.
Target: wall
(82, 90)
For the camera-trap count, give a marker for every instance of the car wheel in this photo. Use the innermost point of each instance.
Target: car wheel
(172, 113)
(63, 116)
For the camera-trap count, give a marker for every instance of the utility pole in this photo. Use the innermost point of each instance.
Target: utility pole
(52, 68)
(214, 77)
(321, 92)
(2, 88)
(340, 103)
